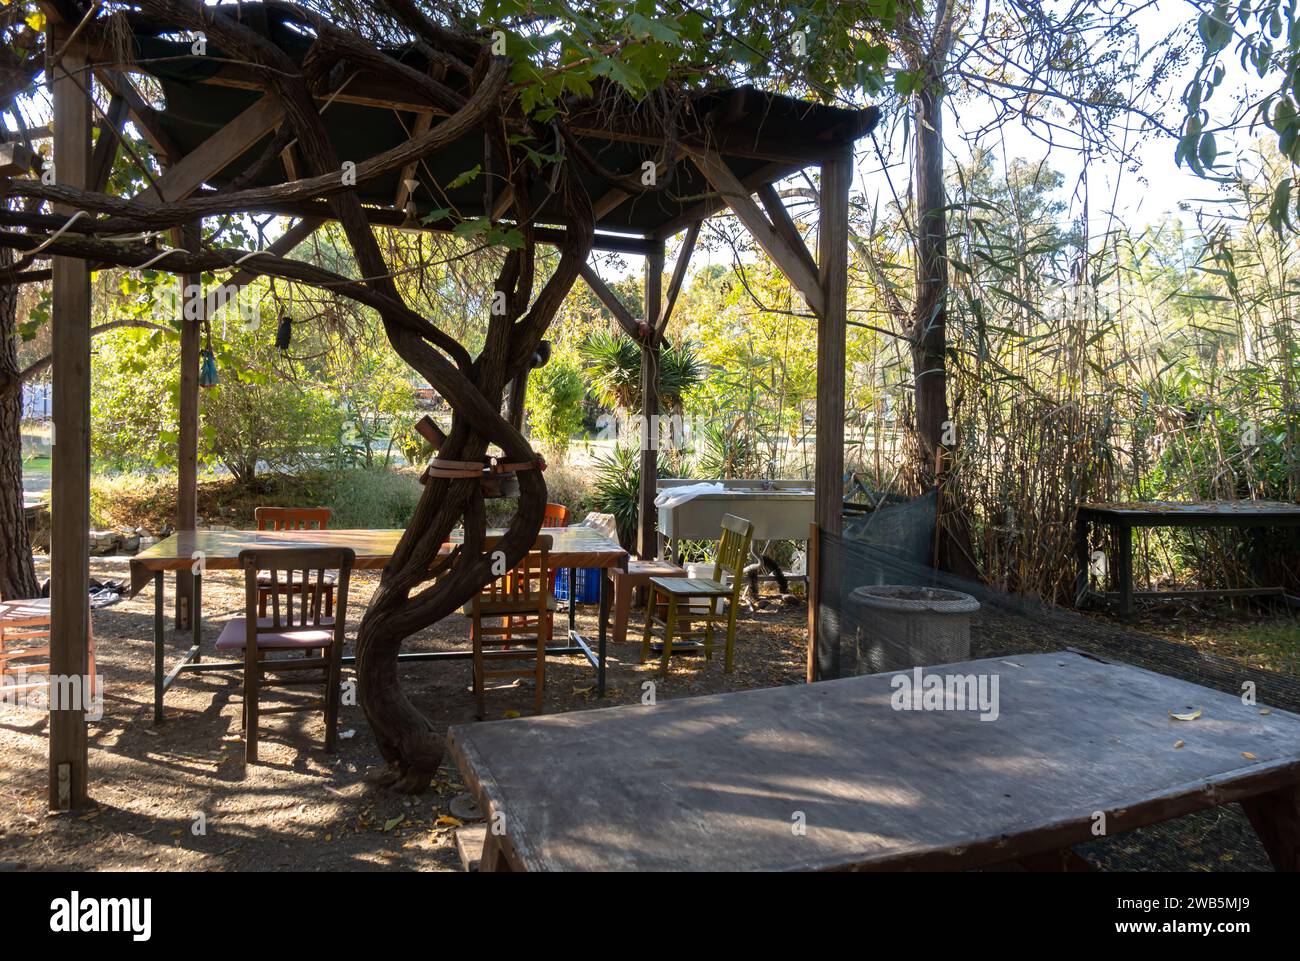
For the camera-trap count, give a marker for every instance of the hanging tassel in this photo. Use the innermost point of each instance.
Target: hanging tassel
(284, 332)
(208, 376)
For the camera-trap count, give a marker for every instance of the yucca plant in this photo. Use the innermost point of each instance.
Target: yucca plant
(617, 490)
(614, 369)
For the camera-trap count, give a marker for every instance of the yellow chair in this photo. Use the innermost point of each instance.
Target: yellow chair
(677, 595)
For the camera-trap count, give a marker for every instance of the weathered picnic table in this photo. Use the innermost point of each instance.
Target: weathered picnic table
(1123, 517)
(831, 776)
(200, 551)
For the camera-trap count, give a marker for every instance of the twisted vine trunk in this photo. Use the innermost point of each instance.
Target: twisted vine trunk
(17, 573)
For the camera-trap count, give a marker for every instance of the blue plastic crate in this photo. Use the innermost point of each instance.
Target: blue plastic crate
(588, 591)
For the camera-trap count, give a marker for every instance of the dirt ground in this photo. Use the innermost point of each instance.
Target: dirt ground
(299, 808)
(180, 797)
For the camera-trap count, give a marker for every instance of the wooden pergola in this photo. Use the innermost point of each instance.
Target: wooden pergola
(738, 144)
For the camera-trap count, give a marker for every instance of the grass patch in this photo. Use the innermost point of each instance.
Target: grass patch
(1272, 644)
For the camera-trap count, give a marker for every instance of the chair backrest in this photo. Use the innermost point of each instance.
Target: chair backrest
(305, 567)
(527, 584)
(291, 518)
(605, 523)
(733, 548)
(557, 515)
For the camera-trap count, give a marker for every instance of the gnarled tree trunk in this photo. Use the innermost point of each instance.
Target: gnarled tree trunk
(17, 573)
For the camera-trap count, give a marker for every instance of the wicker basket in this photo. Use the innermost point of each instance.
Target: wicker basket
(902, 627)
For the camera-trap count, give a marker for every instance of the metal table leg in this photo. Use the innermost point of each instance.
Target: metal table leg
(196, 615)
(1125, 535)
(158, 638)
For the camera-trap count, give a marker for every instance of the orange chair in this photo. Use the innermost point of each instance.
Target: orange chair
(556, 515)
(293, 519)
(25, 634)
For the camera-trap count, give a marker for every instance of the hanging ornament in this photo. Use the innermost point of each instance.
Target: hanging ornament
(284, 332)
(208, 376)
(541, 355)
(208, 368)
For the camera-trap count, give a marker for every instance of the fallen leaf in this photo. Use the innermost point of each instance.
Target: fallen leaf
(511, 714)
(1248, 756)
(447, 821)
(1178, 744)
(393, 822)
(1265, 710)
(1190, 716)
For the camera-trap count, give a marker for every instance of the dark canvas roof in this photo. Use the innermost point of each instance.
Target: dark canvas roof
(762, 136)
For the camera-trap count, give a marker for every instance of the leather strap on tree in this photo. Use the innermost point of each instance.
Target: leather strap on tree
(438, 467)
(507, 468)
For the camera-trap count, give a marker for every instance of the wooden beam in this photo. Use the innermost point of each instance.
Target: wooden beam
(614, 198)
(142, 115)
(193, 307)
(422, 124)
(738, 198)
(388, 217)
(828, 470)
(647, 517)
(70, 469)
(768, 173)
(110, 133)
(833, 252)
(679, 275)
(224, 147)
(16, 159)
(611, 302)
(784, 224)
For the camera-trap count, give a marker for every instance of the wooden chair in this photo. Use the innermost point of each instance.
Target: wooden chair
(25, 635)
(293, 519)
(678, 593)
(522, 601)
(319, 636)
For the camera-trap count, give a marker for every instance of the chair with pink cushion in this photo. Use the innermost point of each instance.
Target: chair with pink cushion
(297, 625)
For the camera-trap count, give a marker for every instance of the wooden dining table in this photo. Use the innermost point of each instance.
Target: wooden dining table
(218, 550)
(848, 775)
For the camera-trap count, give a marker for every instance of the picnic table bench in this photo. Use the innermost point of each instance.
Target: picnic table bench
(831, 776)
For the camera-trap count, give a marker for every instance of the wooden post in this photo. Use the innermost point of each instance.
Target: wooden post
(70, 467)
(187, 453)
(647, 539)
(833, 274)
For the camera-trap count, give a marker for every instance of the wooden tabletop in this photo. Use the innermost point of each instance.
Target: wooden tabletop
(1177, 513)
(722, 782)
(570, 547)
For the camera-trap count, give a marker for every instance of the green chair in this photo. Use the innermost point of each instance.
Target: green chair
(671, 601)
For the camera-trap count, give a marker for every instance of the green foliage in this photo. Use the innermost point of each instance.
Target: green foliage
(561, 49)
(724, 451)
(616, 490)
(1265, 39)
(255, 420)
(135, 385)
(358, 498)
(554, 406)
(613, 365)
